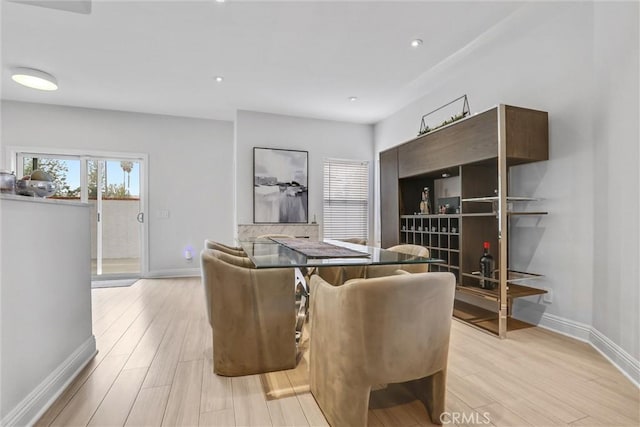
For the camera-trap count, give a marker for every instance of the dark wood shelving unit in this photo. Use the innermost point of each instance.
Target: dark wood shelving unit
(478, 151)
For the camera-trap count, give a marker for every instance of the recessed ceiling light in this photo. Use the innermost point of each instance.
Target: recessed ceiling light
(220, 1)
(34, 79)
(416, 43)
(219, 79)
(353, 98)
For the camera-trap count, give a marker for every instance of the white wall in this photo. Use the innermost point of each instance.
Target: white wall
(321, 138)
(45, 315)
(542, 57)
(190, 168)
(616, 295)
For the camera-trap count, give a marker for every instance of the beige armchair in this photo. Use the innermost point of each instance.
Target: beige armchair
(355, 240)
(341, 274)
(410, 250)
(252, 315)
(384, 330)
(387, 270)
(231, 250)
(337, 275)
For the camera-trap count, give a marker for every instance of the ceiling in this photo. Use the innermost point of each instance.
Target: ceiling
(303, 58)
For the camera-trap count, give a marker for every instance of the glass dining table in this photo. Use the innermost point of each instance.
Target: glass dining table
(279, 253)
(271, 253)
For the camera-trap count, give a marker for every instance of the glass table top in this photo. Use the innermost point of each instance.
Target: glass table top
(266, 253)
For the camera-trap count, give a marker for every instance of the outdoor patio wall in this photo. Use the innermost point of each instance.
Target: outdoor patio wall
(190, 168)
(120, 229)
(543, 57)
(321, 138)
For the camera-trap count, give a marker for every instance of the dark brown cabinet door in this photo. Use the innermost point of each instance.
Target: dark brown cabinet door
(389, 202)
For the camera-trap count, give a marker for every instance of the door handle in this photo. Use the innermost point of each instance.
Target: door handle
(140, 217)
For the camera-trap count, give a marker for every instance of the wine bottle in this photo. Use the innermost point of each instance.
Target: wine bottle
(486, 267)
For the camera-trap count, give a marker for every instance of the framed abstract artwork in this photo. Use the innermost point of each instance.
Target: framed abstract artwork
(280, 180)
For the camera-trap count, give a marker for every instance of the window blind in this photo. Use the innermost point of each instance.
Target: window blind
(346, 199)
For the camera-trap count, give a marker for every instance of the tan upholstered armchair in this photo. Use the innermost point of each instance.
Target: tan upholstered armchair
(340, 274)
(355, 240)
(384, 330)
(231, 250)
(252, 315)
(387, 270)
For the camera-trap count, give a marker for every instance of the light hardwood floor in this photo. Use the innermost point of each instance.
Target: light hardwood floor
(154, 368)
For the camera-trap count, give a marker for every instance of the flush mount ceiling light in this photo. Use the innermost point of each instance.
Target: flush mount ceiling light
(353, 98)
(219, 79)
(416, 43)
(34, 79)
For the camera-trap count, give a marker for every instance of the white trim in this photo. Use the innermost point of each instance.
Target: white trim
(144, 196)
(31, 408)
(115, 283)
(234, 181)
(100, 175)
(623, 361)
(570, 328)
(174, 272)
(12, 150)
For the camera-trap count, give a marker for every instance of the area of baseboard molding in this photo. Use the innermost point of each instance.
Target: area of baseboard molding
(622, 360)
(176, 272)
(31, 408)
(112, 283)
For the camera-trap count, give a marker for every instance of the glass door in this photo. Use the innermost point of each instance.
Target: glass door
(113, 192)
(113, 186)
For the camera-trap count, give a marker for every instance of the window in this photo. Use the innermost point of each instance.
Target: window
(346, 199)
(64, 171)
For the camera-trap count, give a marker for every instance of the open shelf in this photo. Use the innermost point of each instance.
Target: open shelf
(527, 213)
(467, 215)
(513, 276)
(495, 199)
(480, 214)
(513, 291)
(485, 320)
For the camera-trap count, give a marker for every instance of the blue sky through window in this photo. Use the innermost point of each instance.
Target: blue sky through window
(115, 175)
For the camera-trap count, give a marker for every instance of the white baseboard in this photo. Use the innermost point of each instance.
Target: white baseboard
(31, 408)
(570, 328)
(174, 272)
(117, 283)
(622, 360)
(611, 351)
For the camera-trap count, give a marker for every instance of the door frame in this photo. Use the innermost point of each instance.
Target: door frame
(11, 163)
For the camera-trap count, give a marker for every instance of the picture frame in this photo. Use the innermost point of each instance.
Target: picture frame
(280, 186)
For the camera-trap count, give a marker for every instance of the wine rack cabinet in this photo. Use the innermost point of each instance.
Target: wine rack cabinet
(438, 233)
(478, 152)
